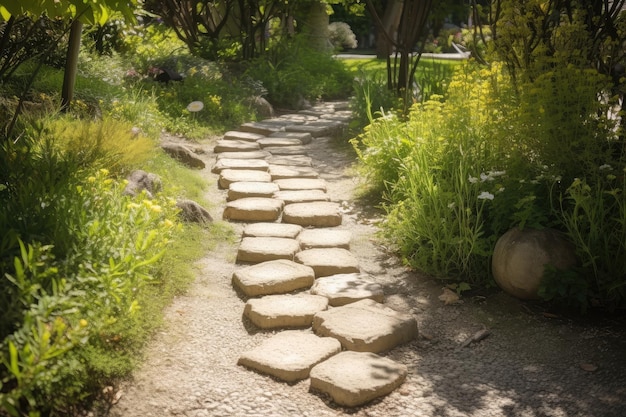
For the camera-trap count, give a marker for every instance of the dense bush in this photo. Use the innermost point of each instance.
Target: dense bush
(341, 36)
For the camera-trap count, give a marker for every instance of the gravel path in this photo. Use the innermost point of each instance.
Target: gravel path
(529, 365)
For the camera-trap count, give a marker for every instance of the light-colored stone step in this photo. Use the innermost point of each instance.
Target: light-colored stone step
(243, 189)
(344, 289)
(279, 142)
(226, 145)
(291, 184)
(245, 136)
(261, 249)
(260, 128)
(282, 172)
(343, 117)
(329, 261)
(301, 196)
(273, 277)
(325, 238)
(304, 137)
(313, 214)
(244, 155)
(229, 176)
(287, 150)
(290, 231)
(291, 160)
(253, 209)
(298, 117)
(366, 326)
(315, 131)
(283, 311)
(250, 164)
(352, 379)
(290, 355)
(279, 121)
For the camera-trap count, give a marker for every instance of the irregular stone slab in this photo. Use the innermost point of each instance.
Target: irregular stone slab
(313, 214)
(284, 310)
(304, 137)
(286, 150)
(281, 122)
(342, 105)
(290, 355)
(272, 230)
(225, 145)
(260, 128)
(344, 289)
(301, 196)
(253, 209)
(315, 131)
(301, 184)
(292, 160)
(191, 211)
(183, 154)
(278, 142)
(245, 136)
(273, 277)
(337, 117)
(261, 249)
(295, 117)
(366, 326)
(252, 164)
(325, 238)
(355, 378)
(229, 176)
(281, 172)
(329, 261)
(244, 155)
(244, 189)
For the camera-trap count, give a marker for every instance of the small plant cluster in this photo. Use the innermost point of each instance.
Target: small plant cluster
(463, 169)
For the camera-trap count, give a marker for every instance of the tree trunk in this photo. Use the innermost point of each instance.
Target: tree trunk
(316, 26)
(71, 65)
(385, 35)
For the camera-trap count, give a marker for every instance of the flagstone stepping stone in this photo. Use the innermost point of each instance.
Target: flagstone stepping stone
(337, 117)
(245, 136)
(273, 277)
(301, 184)
(328, 261)
(245, 189)
(287, 150)
(356, 378)
(229, 176)
(253, 209)
(261, 249)
(298, 117)
(260, 128)
(282, 122)
(284, 310)
(281, 172)
(244, 155)
(316, 112)
(291, 160)
(252, 164)
(290, 355)
(225, 145)
(325, 238)
(301, 196)
(272, 230)
(366, 326)
(313, 214)
(278, 142)
(315, 131)
(344, 289)
(304, 137)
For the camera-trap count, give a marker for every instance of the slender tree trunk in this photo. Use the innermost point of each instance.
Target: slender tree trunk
(387, 33)
(316, 26)
(71, 65)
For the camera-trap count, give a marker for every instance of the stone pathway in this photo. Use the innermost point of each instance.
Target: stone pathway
(295, 270)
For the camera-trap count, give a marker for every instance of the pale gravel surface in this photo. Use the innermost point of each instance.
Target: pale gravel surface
(528, 366)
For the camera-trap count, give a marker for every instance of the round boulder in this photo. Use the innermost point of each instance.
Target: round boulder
(520, 257)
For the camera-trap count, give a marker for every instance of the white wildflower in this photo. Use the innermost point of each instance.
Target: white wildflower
(605, 166)
(485, 195)
(501, 189)
(484, 177)
(472, 180)
(195, 106)
(451, 205)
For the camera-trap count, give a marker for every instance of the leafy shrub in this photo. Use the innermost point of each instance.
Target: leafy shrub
(341, 36)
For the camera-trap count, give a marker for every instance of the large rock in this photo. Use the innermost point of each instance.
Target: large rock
(273, 277)
(521, 256)
(139, 181)
(344, 289)
(329, 261)
(313, 214)
(253, 209)
(183, 154)
(284, 310)
(366, 326)
(355, 378)
(290, 355)
(261, 249)
(191, 211)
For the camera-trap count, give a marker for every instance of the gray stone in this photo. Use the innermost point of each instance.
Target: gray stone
(290, 355)
(139, 181)
(226, 145)
(344, 289)
(301, 196)
(292, 160)
(244, 155)
(299, 118)
(253, 209)
(291, 184)
(260, 128)
(279, 142)
(325, 238)
(281, 172)
(329, 261)
(250, 164)
(284, 310)
(286, 150)
(243, 189)
(304, 137)
(261, 106)
(315, 131)
(261, 249)
(352, 379)
(183, 154)
(191, 211)
(229, 176)
(243, 136)
(272, 230)
(273, 277)
(366, 326)
(314, 214)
